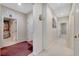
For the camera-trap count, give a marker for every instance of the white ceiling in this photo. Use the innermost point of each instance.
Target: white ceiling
(23, 8)
(61, 9)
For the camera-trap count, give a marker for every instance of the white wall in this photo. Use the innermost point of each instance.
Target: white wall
(71, 31)
(29, 26)
(44, 16)
(43, 33)
(21, 27)
(71, 27)
(37, 32)
(51, 33)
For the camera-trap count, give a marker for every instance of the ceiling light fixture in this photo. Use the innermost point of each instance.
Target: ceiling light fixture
(19, 4)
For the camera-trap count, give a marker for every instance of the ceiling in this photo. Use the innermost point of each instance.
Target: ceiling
(61, 9)
(23, 8)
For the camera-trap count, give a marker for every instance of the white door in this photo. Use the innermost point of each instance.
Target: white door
(76, 37)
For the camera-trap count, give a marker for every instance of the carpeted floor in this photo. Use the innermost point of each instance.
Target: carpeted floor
(19, 49)
(0, 51)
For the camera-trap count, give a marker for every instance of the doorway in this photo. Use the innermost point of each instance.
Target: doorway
(9, 30)
(6, 30)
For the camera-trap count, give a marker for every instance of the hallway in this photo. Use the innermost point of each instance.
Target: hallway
(57, 50)
(51, 27)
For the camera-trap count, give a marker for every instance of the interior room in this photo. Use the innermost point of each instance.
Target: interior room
(16, 23)
(39, 29)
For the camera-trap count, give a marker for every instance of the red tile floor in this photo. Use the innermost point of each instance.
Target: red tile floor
(19, 49)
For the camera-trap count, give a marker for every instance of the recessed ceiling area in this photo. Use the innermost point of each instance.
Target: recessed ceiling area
(23, 8)
(61, 9)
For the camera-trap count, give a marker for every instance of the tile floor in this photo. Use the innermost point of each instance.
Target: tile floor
(57, 49)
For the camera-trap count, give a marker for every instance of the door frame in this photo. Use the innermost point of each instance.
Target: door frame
(16, 27)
